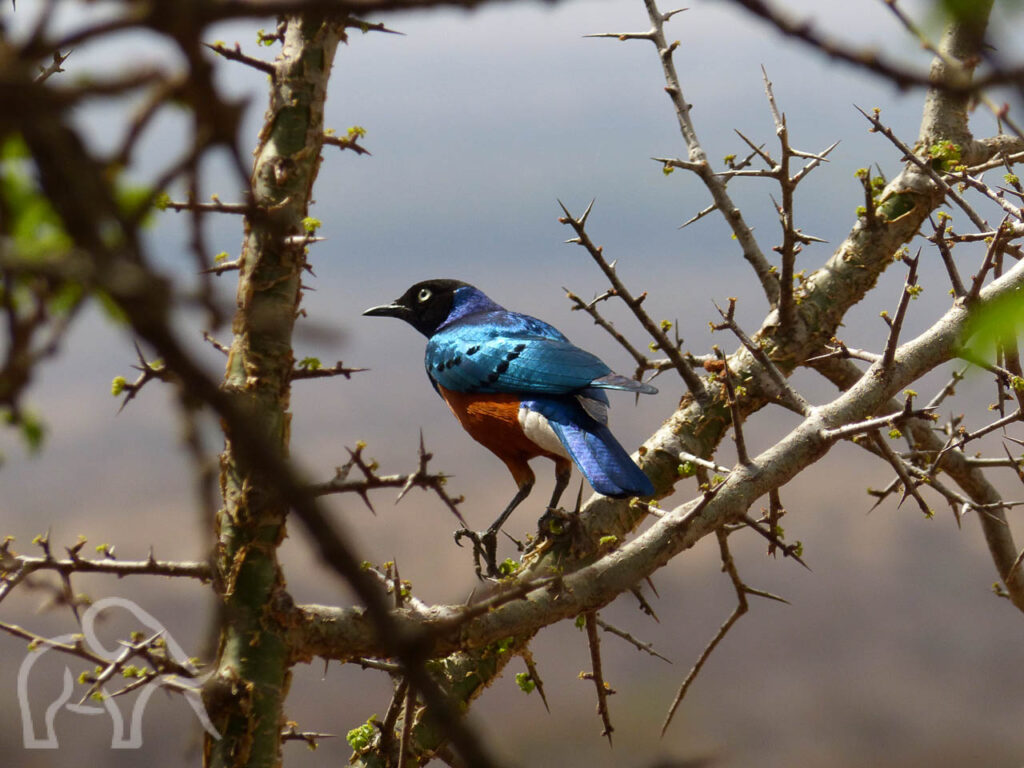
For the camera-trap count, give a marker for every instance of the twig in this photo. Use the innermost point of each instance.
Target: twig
(638, 644)
(966, 437)
(909, 486)
(45, 73)
(868, 58)
(222, 267)
(645, 605)
(387, 728)
(531, 670)
(590, 307)
(947, 257)
(734, 408)
(741, 608)
(789, 396)
(925, 166)
(838, 350)
(991, 253)
(371, 480)
(947, 391)
(312, 738)
(215, 344)
(407, 721)
(698, 461)
(235, 54)
(150, 371)
(910, 290)
(772, 537)
(862, 427)
(603, 690)
(348, 142)
(240, 209)
(338, 369)
(775, 513)
(697, 161)
(690, 378)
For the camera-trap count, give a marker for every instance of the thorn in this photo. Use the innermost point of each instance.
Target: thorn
(650, 583)
(586, 213)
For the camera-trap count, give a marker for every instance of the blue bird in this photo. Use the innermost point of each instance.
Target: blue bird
(519, 387)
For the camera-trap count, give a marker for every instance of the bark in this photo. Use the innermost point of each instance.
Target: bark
(246, 695)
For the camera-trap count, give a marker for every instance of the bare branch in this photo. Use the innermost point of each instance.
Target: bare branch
(733, 403)
(947, 257)
(685, 370)
(789, 396)
(638, 644)
(697, 161)
(910, 290)
(534, 675)
(590, 307)
(603, 689)
(235, 54)
(370, 480)
(741, 608)
(45, 73)
(338, 369)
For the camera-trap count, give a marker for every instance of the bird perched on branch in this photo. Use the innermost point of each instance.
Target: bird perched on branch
(520, 388)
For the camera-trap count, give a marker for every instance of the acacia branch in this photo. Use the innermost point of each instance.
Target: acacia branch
(910, 290)
(697, 158)
(602, 688)
(370, 480)
(955, 81)
(682, 366)
(338, 369)
(729, 566)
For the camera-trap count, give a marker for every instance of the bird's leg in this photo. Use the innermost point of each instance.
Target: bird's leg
(563, 473)
(485, 543)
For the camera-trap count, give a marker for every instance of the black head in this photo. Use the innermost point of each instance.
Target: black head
(424, 306)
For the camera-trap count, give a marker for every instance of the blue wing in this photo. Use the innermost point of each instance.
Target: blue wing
(508, 352)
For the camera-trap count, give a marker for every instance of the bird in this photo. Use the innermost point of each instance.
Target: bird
(520, 388)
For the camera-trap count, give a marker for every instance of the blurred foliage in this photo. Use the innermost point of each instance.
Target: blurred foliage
(34, 229)
(43, 280)
(996, 321)
(972, 11)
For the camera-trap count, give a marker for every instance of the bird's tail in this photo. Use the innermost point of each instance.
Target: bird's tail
(617, 381)
(605, 463)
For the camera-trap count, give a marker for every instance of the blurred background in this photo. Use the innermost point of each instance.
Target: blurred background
(893, 650)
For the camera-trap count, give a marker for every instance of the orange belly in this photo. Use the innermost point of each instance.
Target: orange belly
(493, 421)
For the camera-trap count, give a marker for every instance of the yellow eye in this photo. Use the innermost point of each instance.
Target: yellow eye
(424, 295)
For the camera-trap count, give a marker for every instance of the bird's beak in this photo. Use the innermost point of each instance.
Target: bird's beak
(389, 310)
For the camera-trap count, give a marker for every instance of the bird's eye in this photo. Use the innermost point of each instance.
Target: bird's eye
(424, 295)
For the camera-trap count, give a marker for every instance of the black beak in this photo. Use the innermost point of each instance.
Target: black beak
(390, 310)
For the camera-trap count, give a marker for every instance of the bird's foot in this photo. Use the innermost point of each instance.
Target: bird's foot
(560, 531)
(554, 523)
(485, 548)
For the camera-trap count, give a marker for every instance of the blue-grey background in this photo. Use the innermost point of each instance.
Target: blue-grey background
(893, 652)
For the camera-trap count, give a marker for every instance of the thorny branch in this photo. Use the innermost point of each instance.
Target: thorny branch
(680, 363)
(742, 606)
(370, 480)
(697, 158)
(868, 58)
(597, 675)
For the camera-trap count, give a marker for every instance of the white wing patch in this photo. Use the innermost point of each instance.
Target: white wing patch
(536, 428)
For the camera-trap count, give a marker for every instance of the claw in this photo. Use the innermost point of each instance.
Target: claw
(485, 548)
